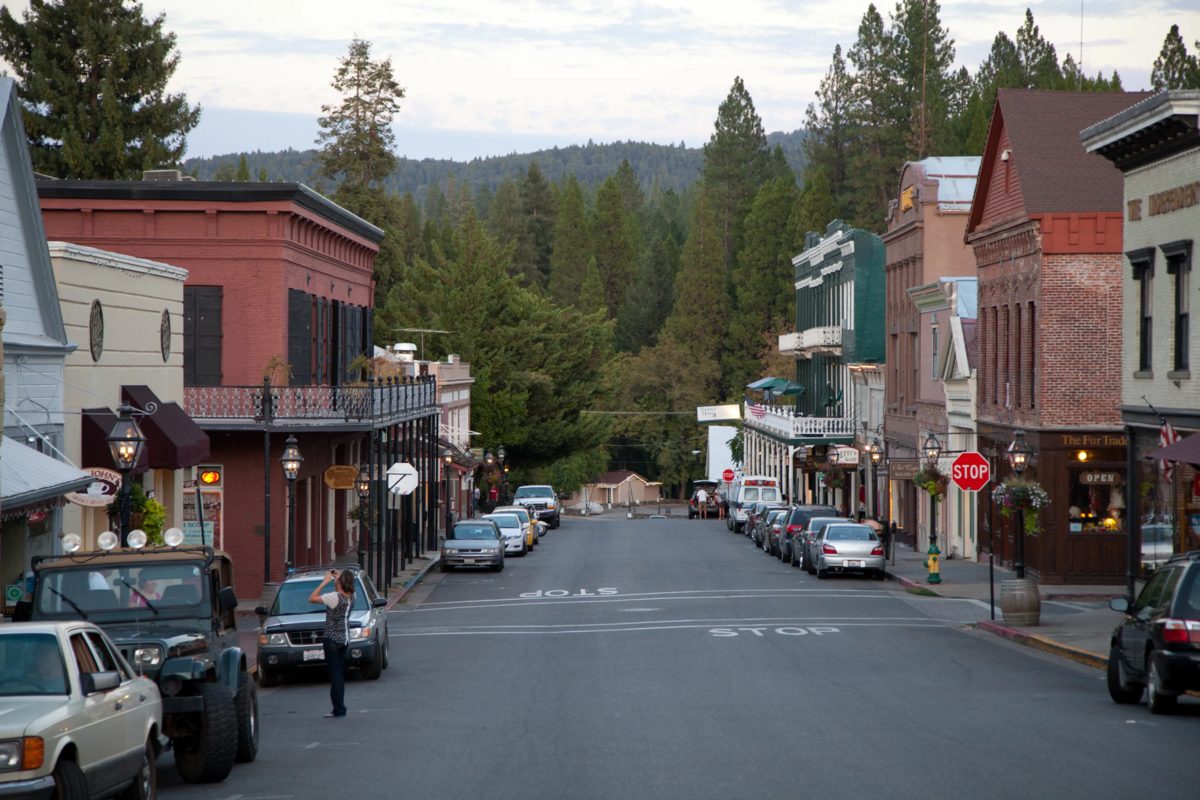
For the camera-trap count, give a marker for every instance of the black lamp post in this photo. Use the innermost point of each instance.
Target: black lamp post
(875, 453)
(362, 485)
(448, 459)
(933, 451)
(126, 442)
(488, 460)
(503, 474)
(802, 457)
(291, 460)
(1020, 458)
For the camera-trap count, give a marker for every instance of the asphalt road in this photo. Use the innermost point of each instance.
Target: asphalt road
(671, 659)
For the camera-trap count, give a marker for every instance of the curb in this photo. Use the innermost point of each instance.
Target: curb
(907, 583)
(408, 587)
(1086, 657)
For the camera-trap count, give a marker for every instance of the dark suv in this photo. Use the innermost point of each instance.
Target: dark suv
(1156, 650)
(797, 523)
(172, 613)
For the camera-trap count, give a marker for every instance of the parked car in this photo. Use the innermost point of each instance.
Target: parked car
(514, 533)
(172, 613)
(1156, 650)
(293, 629)
(533, 527)
(713, 503)
(847, 547)
(747, 491)
(481, 542)
(1158, 545)
(753, 512)
(77, 721)
(541, 502)
(773, 525)
(802, 539)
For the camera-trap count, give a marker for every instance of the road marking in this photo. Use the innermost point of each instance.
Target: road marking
(820, 630)
(567, 593)
(469, 604)
(628, 610)
(667, 594)
(664, 625)
(315, 745)
(258, 797)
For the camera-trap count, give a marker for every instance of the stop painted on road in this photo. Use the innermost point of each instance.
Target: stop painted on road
(758, 630)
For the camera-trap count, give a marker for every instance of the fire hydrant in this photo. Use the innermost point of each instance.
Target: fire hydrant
(934, 566)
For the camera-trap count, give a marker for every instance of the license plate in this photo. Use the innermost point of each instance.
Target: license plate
(314, 655)
(468, 561)
(852, 563)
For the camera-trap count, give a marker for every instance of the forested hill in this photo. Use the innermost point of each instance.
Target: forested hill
(672, 166)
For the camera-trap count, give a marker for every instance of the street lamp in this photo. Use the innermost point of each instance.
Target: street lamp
(448, 458)
(1020, 458)
(933, 449)
(291, 460)
(126, 442)
(503, 473)
(875, 453)
(363, 486)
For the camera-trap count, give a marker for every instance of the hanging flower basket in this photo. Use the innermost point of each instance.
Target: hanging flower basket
(834, 477)
(932, 481)
(1024, 496)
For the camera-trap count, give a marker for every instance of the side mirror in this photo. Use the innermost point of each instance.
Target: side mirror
(227, 599)
(261, 611)
(93, 682)
(1119, 604)
(379, 602)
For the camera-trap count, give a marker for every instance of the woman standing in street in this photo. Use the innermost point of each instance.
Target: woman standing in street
(337, 633)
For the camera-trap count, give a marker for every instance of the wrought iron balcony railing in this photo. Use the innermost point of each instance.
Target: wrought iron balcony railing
(783, 421)
(379, 402)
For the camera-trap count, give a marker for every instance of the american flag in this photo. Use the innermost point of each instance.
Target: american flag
(1167, 437)
(754, 408)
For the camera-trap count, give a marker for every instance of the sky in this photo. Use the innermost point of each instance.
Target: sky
(490, 77)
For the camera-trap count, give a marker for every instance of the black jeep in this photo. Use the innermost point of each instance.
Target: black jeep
(171, 612)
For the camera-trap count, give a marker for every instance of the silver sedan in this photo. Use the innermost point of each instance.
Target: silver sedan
(847, 547)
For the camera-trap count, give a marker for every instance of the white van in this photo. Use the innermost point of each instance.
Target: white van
(749, 490)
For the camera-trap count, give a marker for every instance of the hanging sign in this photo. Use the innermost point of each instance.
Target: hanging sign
(341, 476)
(847, 456)
(903, 470)
(100, 492)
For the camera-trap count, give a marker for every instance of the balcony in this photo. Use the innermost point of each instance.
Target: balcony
(782, 421)
(826, 341)
(360, 407)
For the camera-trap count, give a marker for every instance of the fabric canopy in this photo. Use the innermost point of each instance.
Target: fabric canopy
(173, 440)
(776, 386)
(1185, 450)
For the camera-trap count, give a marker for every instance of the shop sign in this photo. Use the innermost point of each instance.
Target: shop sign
(847, 456)
(1100, 478)
(1094, 440)
(718, 413)
(903, 470)
(341, 476)
(213, 516)
(100, 492)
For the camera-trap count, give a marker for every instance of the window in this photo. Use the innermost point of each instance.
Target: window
(1032, 355)
(202, 335)
(1020, 358)
(1142, 262)
(1179, 264)
(995, 354)
(933, 335)
(916, 369)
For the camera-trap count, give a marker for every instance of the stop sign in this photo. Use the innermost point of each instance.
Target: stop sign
(970, 472)
(727, 476)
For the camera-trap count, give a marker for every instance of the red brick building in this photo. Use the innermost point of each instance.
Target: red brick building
(1045, 226)
(279, 288)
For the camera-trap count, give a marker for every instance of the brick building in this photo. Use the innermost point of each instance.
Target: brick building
(1045, 227)
(279, 290)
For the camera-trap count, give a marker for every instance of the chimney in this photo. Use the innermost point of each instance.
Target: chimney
(404, 351)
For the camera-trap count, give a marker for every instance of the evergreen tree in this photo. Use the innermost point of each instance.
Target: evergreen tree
(243, 171)
(537, 199)
(814, 210)
(262, 174)
(830, 127)
(610, 244)
(632, 196)
(591, 296)
(1000, 70)
(1175, 68)
(435, 204)
(483, 202)
(1037, 57)
(736, 161)
(879, 122)
(762, 282)
(924, 53)
(647, 307)
(778, 166)
(356, 135)
(699, 320)
(226, 172)
(92, 77)
(977, 136)
(572, 246)
(507, 223)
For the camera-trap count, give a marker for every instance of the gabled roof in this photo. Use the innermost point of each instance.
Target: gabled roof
(617, 477)
(1054, 171)
(27, 284)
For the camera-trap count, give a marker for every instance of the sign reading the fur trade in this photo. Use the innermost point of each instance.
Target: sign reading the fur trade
(341, 476)
(402, 478)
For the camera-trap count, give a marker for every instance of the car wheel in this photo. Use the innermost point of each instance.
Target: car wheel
(373, 670)
(247, 719)
(555, 524)
(208, 756)
(822, 573)
(1159, 702)
(444, 566)
(269, 677)
(808, 566)
(879, 574)
(795, 563)
(386, 655)
(499, 567)
(69, 781)
(1119, 689)
(145, 785)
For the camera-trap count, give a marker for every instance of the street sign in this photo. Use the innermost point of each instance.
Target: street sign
(402, 478)
(971, 472)
(727, 476)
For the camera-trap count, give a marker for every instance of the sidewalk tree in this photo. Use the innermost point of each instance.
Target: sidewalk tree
(92, 76)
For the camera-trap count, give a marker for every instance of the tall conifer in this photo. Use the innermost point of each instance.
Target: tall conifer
(611, 245)
(699, 320)
(507, 223)
(541, 212)
(572, 246)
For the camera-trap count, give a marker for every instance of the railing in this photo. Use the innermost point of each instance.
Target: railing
(380, 401)
(783, 421)
(813, 340)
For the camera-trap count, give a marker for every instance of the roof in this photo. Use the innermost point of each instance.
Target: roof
(212, 191)
(117, 261)
(616, 478)
(27, 476)
(956, 177)
(1054, 171)
(970, 329)
(1165, 124)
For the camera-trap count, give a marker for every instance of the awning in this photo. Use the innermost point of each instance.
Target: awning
(97, 423)
(27, 476)
(776, 386)
(174, 440)
(1185, 450)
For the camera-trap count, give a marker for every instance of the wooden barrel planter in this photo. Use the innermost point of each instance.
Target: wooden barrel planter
(1021, 603)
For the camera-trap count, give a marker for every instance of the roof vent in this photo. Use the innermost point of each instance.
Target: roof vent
(405, 351)
(162, 175)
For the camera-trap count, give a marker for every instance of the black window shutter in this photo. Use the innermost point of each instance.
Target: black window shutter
(300, 313)
(368, 339)
(336, 337)
(322, 341)
(202, 335)
(189, 336)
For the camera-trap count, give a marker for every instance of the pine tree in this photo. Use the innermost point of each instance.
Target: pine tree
(92, 78)
(537, 199)
(700, 317)
(610, 244)
(483, 202)
(243, 171)
(1175, 68)
(225, 172)
(814, 210)
(879, 122)
(572, 246)
(356, 136)
(977, 137)
(262, 174)
(647, 307)
(632, 196)
(778, 166)
(736, 160)
(831, 130)
(1038, 58)
(435, 204)
(507, 223)
(591, 296)
(924, 53)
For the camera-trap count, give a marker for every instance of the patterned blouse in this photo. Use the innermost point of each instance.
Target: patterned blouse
(337, 617)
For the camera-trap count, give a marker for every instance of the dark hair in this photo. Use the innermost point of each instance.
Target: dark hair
(345, 581)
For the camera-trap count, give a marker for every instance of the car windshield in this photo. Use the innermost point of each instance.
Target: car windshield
(31, 664)
(473, 532)
(506, 520)
(533, 491)
(293, 598)
(520, 512)
(100, 588)
(775, 515)
(848, 533)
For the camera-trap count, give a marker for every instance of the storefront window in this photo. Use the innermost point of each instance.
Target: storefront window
(1097, 501)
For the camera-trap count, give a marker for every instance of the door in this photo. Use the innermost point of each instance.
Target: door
(202, 335)
(1135, 631)
(134, 703)
(102, 727)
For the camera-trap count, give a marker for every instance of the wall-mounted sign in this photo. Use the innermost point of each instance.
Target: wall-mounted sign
(903, 470)
(100, 492)
(718, 413)
(847, 456)
(1100, 478)
(164, 335)
(341, 476)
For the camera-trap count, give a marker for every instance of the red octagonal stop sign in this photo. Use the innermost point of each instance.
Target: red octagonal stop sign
(970, 472)
(727, 475)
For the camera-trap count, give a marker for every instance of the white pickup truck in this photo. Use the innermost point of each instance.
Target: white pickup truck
(541, 502)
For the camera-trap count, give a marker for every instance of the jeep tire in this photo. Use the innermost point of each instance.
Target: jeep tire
(247, 719)
(208, 756)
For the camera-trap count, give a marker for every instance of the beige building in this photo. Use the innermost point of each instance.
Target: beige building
(127, 316)
(618, 488)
